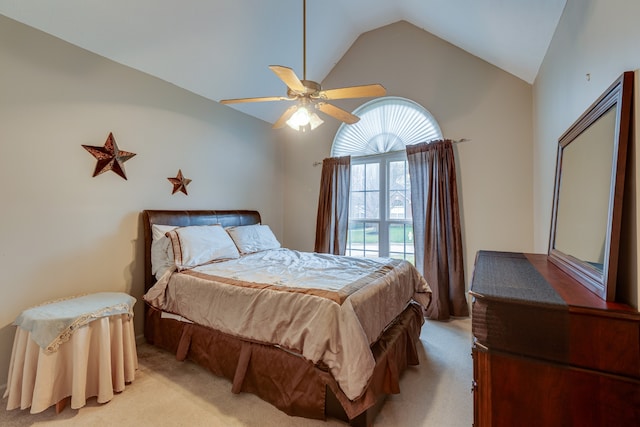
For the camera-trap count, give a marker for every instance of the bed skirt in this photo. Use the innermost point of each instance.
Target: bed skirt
(289, 382)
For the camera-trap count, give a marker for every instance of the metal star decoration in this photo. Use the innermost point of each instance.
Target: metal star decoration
(179, 183)
(110, 157)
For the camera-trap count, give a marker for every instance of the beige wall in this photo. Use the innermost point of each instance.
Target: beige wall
(470, 99)
(64, 232)
(598, 38)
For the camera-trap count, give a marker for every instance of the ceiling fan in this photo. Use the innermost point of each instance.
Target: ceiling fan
(310, 95)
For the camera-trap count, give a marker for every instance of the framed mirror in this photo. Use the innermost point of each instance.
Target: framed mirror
(587, 202)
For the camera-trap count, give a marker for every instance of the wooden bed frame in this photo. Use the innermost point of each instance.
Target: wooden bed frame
(287, 381)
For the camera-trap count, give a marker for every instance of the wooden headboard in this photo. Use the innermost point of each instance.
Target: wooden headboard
(185, 218)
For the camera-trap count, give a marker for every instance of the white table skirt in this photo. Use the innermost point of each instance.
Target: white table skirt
(98, 359)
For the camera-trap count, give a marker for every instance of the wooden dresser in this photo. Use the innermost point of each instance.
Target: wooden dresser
(548, 352)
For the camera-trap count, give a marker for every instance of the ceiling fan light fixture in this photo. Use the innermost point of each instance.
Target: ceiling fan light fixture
(304, 119)
(315, 120)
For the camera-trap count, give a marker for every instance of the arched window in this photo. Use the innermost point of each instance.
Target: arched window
(386, 124)
(380, 222)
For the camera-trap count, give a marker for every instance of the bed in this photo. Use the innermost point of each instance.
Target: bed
(317, 351)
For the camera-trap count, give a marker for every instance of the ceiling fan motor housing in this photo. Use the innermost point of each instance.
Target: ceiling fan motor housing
(311, 88)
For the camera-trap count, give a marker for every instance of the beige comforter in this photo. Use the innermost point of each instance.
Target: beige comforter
(327, 308)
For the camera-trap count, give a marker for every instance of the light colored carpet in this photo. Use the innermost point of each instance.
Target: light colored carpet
(171, 393)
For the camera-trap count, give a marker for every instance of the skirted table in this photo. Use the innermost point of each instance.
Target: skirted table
(74, 348)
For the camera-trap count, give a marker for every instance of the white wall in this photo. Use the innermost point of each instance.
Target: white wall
(598, 38)
(63, 232)
(470, 99)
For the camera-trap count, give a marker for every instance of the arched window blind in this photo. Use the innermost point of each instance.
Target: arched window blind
(386, 124)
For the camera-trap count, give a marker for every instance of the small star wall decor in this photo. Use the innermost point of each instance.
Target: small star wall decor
(110, 157)
(179, 183)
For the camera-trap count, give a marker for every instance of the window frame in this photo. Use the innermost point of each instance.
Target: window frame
(386, 127)
(384, 220)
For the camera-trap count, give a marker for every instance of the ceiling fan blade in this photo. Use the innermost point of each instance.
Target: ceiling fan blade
(282, 120)
(363, 91)
(337, 113)
(288, 76)
(261, 99)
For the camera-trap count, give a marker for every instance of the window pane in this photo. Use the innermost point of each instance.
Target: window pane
(400, 205)
(372, 205)
(401, 241)
(398, 175)
(397, 205)
(363, 239)
(355, 239)
(372, 176)
(371, 240)
(399, 196)
(356, 205)
(357, 177)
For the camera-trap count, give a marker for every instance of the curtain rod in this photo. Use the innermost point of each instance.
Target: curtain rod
(455, 141)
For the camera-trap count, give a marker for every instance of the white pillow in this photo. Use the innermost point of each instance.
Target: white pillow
(161, 251)
(201, 244)
(253, 238)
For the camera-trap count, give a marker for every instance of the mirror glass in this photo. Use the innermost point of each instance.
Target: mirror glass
(581, 222)
(591, 160)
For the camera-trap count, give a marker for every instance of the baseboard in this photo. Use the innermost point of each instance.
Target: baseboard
(140, 339)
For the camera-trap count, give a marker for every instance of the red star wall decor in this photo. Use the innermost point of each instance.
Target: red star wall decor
(179, 183)
(110, 157)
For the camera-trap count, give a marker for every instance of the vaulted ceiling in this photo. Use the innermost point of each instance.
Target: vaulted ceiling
(222, 48)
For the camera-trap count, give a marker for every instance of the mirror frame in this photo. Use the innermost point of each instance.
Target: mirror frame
(602, 283)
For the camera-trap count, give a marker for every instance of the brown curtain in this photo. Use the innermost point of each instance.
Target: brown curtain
(436, 226)
(333, 206)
